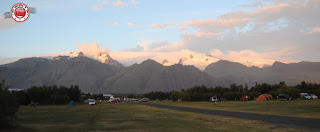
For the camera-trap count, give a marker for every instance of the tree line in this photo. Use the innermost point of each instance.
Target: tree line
(235, 92)
(48, 95)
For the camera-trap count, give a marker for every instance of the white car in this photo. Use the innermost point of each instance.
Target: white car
(92, 102)
(214, 99)
(305, 96)
(314, 96)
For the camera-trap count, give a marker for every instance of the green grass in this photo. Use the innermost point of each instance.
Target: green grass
(130, 117)
(296, 108)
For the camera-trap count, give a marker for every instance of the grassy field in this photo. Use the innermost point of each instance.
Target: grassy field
(296, 108)
(130, 117)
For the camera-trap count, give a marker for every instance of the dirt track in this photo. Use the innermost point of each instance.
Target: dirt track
(274, 119)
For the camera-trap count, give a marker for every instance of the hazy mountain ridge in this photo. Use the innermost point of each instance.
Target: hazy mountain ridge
(152, 76)
(96, 77)
(292, 73)
(82, 71)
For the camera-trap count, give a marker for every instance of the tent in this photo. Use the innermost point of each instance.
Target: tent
(264, 97)
(72, 103)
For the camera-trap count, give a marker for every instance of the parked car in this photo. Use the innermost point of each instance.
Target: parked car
(214, 99)
(305, 96)
(92, 102)
(133, 99)
(144, 100)
(222, 99)
(313, 96)
(114, 100)
(284, 97)
(126, 99)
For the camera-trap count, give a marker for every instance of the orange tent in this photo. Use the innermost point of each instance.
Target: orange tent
(264, 97)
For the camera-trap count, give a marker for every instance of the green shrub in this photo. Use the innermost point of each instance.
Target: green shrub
(8, 107)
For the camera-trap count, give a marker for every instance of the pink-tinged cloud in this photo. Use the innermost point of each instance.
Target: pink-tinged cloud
(97, 7)
(91, 49)
(105, 3)
(315, 30)
(130, 24)
(159, 25)
(252, 58)
(183, 28)
(115, 24)
(216, 24)
(118, 3)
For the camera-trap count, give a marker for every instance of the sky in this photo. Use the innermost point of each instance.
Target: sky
(252, 32)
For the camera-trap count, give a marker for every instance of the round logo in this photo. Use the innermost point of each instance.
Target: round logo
(20, 12)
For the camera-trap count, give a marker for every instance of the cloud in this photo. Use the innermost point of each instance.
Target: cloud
(97, 7)
(183, 28)
(115, 24)
(5, 60)
(273, 25)
(158, 25)
(201, 60)
(138, 48)
(216, 25)
(130, 24)
(252, 58)
(204, 34)
(91, 49)
(189, 57)
(118, 3)
(105, 3)
(255, 4)
(272, 30)
(315, 30)
(7, 23)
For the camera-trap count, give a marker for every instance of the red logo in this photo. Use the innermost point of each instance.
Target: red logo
(20, 12)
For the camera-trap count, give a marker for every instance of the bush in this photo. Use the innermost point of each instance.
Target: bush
(8, 106)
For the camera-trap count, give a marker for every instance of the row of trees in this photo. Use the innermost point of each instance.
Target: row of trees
(235, 92)
(48, 94)
(10, 101)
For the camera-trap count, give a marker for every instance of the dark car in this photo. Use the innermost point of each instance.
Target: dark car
(284, 97)
(222, 99)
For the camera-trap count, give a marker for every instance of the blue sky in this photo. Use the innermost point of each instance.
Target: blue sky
(59, 25)
(252, 32)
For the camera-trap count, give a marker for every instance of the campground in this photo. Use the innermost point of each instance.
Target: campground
(134, 117)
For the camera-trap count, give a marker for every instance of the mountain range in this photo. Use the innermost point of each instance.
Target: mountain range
(102, 74)
(292, 73)
(108, 77)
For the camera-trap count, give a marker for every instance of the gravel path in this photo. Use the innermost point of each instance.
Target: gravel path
(274, 119)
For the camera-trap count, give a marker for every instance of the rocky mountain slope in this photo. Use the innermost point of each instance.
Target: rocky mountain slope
(152, 76)
(96, 77)
(89, 74)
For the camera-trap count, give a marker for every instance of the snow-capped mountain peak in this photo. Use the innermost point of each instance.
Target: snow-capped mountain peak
(76, 54)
